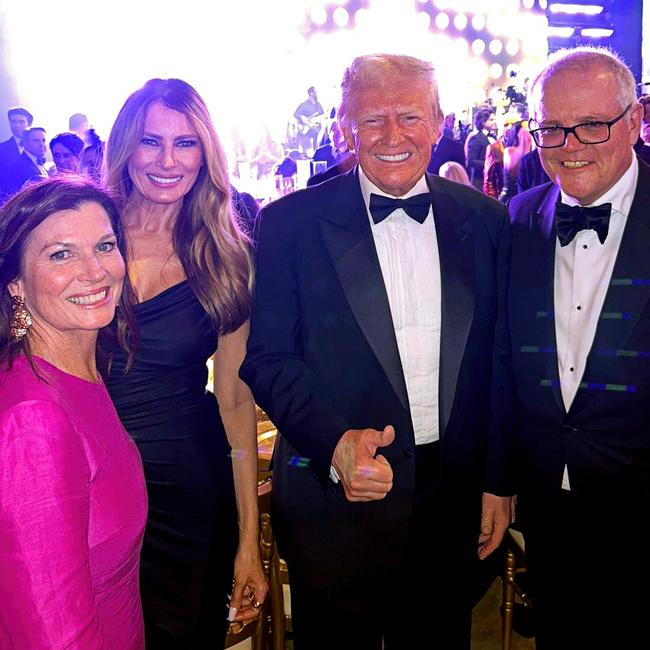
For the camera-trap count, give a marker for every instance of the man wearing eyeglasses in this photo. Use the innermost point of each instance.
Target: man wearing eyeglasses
(579, 310)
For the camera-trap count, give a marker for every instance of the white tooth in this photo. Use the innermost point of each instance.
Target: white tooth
(160, 179)
(88, 300)
(575, 163)
(394, 157)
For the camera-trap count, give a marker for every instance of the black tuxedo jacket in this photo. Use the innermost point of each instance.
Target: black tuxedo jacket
(323, 358)
(18, 174)
(9, 154)
(604, 438)
(443, 151)
(531, 173)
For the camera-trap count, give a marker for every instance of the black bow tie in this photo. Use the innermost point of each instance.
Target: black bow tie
(417, 207)
(40, 161)
(571, 219)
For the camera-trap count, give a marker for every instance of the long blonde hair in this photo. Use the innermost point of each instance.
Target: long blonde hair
(207, 236)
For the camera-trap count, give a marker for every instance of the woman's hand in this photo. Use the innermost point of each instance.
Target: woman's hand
(250, 586)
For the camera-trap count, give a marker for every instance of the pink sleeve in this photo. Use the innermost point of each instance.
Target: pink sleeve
(46, 594)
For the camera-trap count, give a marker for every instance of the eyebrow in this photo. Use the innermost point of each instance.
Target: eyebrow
(581, 120)
(178, 137)
(65, 244)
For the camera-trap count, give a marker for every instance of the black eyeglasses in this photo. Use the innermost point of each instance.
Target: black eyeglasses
(550, 137)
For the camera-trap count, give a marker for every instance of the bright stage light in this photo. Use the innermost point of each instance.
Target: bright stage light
(460, 21)
(596, 32)
(442, 21)
(478, 46)
(512, 47)
(512, 70)
(495, 70)
(341, 16)
(527, 4)
(361, 17)
(478, 22)
(318, 16)
(496, 46)
(424, 19)
(560, 32)
(562, 8)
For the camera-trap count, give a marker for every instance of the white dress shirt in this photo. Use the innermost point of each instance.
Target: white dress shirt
(410, 266)
(41, 168)
(583, 270)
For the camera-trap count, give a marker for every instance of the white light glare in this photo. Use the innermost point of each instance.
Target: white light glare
(496, 46)
(597, 32)
(341, 16)
(560, 32)
(478, 46)
(496, 71)
(318, 16)
(460, 21)
(512, 47)
(562, 8)
(442, 20)
(478, 22)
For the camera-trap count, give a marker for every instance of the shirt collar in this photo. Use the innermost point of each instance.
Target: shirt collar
(620, 195)
(368, 188)
(34, 159)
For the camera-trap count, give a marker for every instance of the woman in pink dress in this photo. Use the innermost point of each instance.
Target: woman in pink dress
(72, 494)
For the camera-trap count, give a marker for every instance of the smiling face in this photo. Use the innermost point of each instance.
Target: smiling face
(71, 274)
(166, 163)
(391, 129)
(586, 171)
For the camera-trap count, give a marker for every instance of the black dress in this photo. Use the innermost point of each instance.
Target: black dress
(191, 535)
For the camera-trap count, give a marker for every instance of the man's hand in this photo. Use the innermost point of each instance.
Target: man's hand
(364, 477)
(497, 514)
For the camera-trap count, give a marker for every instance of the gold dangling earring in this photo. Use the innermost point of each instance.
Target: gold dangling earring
(21, 321)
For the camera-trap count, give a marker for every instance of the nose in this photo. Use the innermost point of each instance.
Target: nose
(392, 133)
(167, 158)
(92, 269)
(572, 143)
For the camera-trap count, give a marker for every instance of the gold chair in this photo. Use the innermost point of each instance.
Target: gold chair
(259, 630)
(515, 566)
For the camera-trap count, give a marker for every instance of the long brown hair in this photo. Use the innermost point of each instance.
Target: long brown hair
(19, 217)
(207, 237)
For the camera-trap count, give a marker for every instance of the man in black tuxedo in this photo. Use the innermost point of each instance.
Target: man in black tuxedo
(531, 173)
(19, 120)
(579, 311)
(29, 165)
(378, 348)
(476, 145)
(444, 150)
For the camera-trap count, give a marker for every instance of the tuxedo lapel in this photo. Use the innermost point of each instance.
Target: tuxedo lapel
(347, 236)
(455, 250)
(541, 280)
(629, 289)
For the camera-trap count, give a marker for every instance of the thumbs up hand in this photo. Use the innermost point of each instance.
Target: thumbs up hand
(364, 476)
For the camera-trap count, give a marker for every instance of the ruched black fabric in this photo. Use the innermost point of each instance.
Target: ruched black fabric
(191, 535)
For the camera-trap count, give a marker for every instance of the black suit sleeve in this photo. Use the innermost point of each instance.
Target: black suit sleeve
(476, 154)
(274, 368)
(502, 436)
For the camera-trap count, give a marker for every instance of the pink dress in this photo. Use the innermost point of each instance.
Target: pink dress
(73, 508)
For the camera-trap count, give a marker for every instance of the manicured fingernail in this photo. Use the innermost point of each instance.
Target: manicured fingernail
(232, 612)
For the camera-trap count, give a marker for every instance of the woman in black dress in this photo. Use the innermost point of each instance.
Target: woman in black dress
(190, 268)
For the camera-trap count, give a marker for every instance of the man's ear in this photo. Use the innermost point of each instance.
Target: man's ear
(349, 139)
(636, 117)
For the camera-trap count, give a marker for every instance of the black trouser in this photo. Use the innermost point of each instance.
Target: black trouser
(430, 604)
(589, 566)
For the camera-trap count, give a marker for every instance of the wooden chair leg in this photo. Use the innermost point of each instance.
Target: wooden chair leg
(508, 600)
(276, 594)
